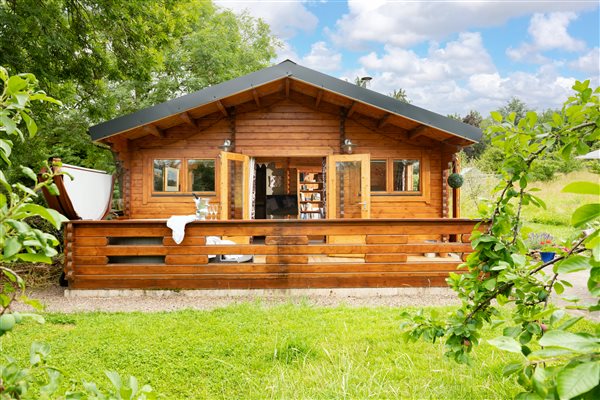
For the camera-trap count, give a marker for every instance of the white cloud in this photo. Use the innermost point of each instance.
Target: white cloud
(458, 59)
(408, 23)
(461, 76)
(589, 62)
(320, 57)
(285, 18)
(548, 32)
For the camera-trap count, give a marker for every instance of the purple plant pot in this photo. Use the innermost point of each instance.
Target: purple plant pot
(547, 256)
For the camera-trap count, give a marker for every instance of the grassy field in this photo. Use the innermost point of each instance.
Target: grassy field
(554, 219)
(254, 351)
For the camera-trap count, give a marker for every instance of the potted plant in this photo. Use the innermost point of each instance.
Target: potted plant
(544, 244)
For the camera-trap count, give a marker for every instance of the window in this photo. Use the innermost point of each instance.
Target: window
(406, 175)
(201, 176)
(166, 175)
(169, 175)
(396, 176)
(378, 175)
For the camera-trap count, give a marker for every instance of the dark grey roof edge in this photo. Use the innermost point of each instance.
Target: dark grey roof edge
(293, 70)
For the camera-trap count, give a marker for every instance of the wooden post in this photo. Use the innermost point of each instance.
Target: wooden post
(456, 192)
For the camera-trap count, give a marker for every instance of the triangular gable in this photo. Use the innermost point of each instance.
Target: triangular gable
(291, 70)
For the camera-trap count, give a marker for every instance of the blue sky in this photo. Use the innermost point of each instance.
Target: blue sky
(449, 56)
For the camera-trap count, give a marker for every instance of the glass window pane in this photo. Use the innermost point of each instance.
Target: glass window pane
(406, 176)
(348, 186)
(166, 175)
(378, 175)
(201, 176)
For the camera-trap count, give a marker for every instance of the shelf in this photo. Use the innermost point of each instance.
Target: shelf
(309, 182)
(315, 190)
(310, 212)
(311, 201)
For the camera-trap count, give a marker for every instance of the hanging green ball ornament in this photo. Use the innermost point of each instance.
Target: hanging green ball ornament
(455, 180)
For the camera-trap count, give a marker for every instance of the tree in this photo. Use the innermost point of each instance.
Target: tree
(112, 57)
(400, 94)
(474, 118)
(516, 106)
(503, 269)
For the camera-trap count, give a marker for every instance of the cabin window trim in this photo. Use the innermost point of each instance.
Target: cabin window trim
(389, 177)
(182, 178)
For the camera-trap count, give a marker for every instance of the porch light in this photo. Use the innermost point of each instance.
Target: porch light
(227, 145)
(348, 146)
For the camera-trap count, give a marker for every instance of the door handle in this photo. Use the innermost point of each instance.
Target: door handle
(364, 204)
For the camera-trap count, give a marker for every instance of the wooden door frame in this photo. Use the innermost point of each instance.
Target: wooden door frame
(365, 181)
(224, 157)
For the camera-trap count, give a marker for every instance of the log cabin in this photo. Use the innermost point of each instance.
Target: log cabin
(323, 183)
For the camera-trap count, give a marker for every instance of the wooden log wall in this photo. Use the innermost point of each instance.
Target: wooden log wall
(283, 127)
(142, 254)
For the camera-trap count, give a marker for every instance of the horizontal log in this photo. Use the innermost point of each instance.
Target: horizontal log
(274, 282)
(387, 239)
(330, 249)
(287, 259)
(386, 258)
(185, 259)
(187, 241)
(271, 240)
(248, 268)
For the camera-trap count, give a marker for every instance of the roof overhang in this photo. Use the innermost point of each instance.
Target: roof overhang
(292, 71)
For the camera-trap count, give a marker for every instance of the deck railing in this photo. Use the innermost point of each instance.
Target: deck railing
(285, 253)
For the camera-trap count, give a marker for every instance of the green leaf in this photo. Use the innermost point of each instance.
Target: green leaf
(11, 247)
(506, 343)
(496, 116)
(572, 264)
(114, 378)
(512, 368)
(550, 352)
(9, 125)
(52, 216)
(34, 258)
(582, 188)
(30, 124)
(571, 382)
(584, 214)
(569, 323)
(29, 173)
(15, 84)
(558, 288)
(574, 341)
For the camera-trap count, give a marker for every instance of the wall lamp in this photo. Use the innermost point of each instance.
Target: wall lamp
(348, 146)
(227, 145)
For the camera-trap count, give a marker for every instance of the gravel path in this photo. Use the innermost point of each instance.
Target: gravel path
(115, 301)
(57, 299)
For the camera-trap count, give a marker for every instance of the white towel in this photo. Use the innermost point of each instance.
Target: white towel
(177, 224)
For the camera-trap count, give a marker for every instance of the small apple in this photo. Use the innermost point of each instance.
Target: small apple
(467, 342)
(544, 327)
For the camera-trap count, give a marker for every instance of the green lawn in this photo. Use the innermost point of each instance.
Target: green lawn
(559, 206)
(257, 351)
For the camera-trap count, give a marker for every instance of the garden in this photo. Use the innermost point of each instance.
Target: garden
(506, 335)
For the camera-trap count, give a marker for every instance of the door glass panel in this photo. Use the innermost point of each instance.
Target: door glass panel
(236, 189)
(348, 189)
(406, 176)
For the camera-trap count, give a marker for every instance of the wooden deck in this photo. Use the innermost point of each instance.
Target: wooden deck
(141, 254)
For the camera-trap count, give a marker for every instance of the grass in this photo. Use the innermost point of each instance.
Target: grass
(252, 351)
(555, 219)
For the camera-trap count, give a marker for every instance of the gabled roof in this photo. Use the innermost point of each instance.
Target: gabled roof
(286, 69)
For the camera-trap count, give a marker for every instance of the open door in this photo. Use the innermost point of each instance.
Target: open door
(348, 193)
(234, 186)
